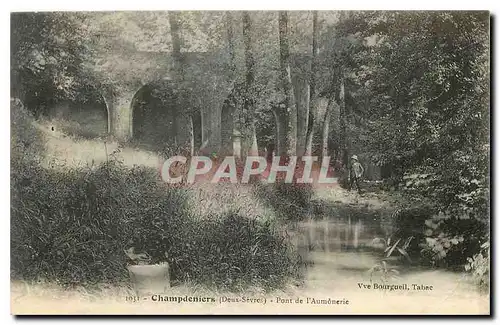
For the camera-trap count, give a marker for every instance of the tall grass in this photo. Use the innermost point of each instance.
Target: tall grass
(72, 225)
(290, 202)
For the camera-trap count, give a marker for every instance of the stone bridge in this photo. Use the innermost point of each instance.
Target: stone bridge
(207, 84)
(204, 119)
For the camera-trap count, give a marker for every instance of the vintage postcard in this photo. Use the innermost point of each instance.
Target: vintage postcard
(250, 162)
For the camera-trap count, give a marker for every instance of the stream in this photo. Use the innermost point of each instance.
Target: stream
(338, 253)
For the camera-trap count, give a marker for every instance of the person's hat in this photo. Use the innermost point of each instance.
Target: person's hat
(354, 157)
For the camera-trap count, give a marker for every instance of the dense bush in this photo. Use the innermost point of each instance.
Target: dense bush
(290, 201)
(68, 226)
(449, 216)
(26, 141)
(479, 267)
(429, 131)
(233, 251)
(74, 226)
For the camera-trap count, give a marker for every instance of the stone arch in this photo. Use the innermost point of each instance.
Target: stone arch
(86, 115)
(108, 112)
(160, 120)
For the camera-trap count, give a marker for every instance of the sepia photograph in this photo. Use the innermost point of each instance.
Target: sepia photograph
(254, 162)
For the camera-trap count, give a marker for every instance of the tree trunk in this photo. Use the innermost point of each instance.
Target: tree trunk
(191, 135)
(312, 107)
(281, 127)
(251, 147)
(326, 128)
(286, 79)
(176, 40)
(230, 42)
(173, 20)
(344, 148)
(301, 92)
(229, 127)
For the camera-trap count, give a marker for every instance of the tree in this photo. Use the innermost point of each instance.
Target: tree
(422, 81)
(47, 55)
(249, 101)
(287, 115)
(230, 43)
(312, 111)
(185, 118)
(338, 62)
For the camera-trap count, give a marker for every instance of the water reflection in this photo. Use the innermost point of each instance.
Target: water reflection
(351, 233)
(339, 253)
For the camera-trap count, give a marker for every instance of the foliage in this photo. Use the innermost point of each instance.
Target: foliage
(47, 56)
(426, 99)
(232, 251)
(420, 86)
(479, 266)
(382, 268)
(26, 141)
(385, 271)
(398, 245)
(290, 201)
(77, 228)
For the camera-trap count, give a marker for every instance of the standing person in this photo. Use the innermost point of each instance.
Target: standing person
(356, 173)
